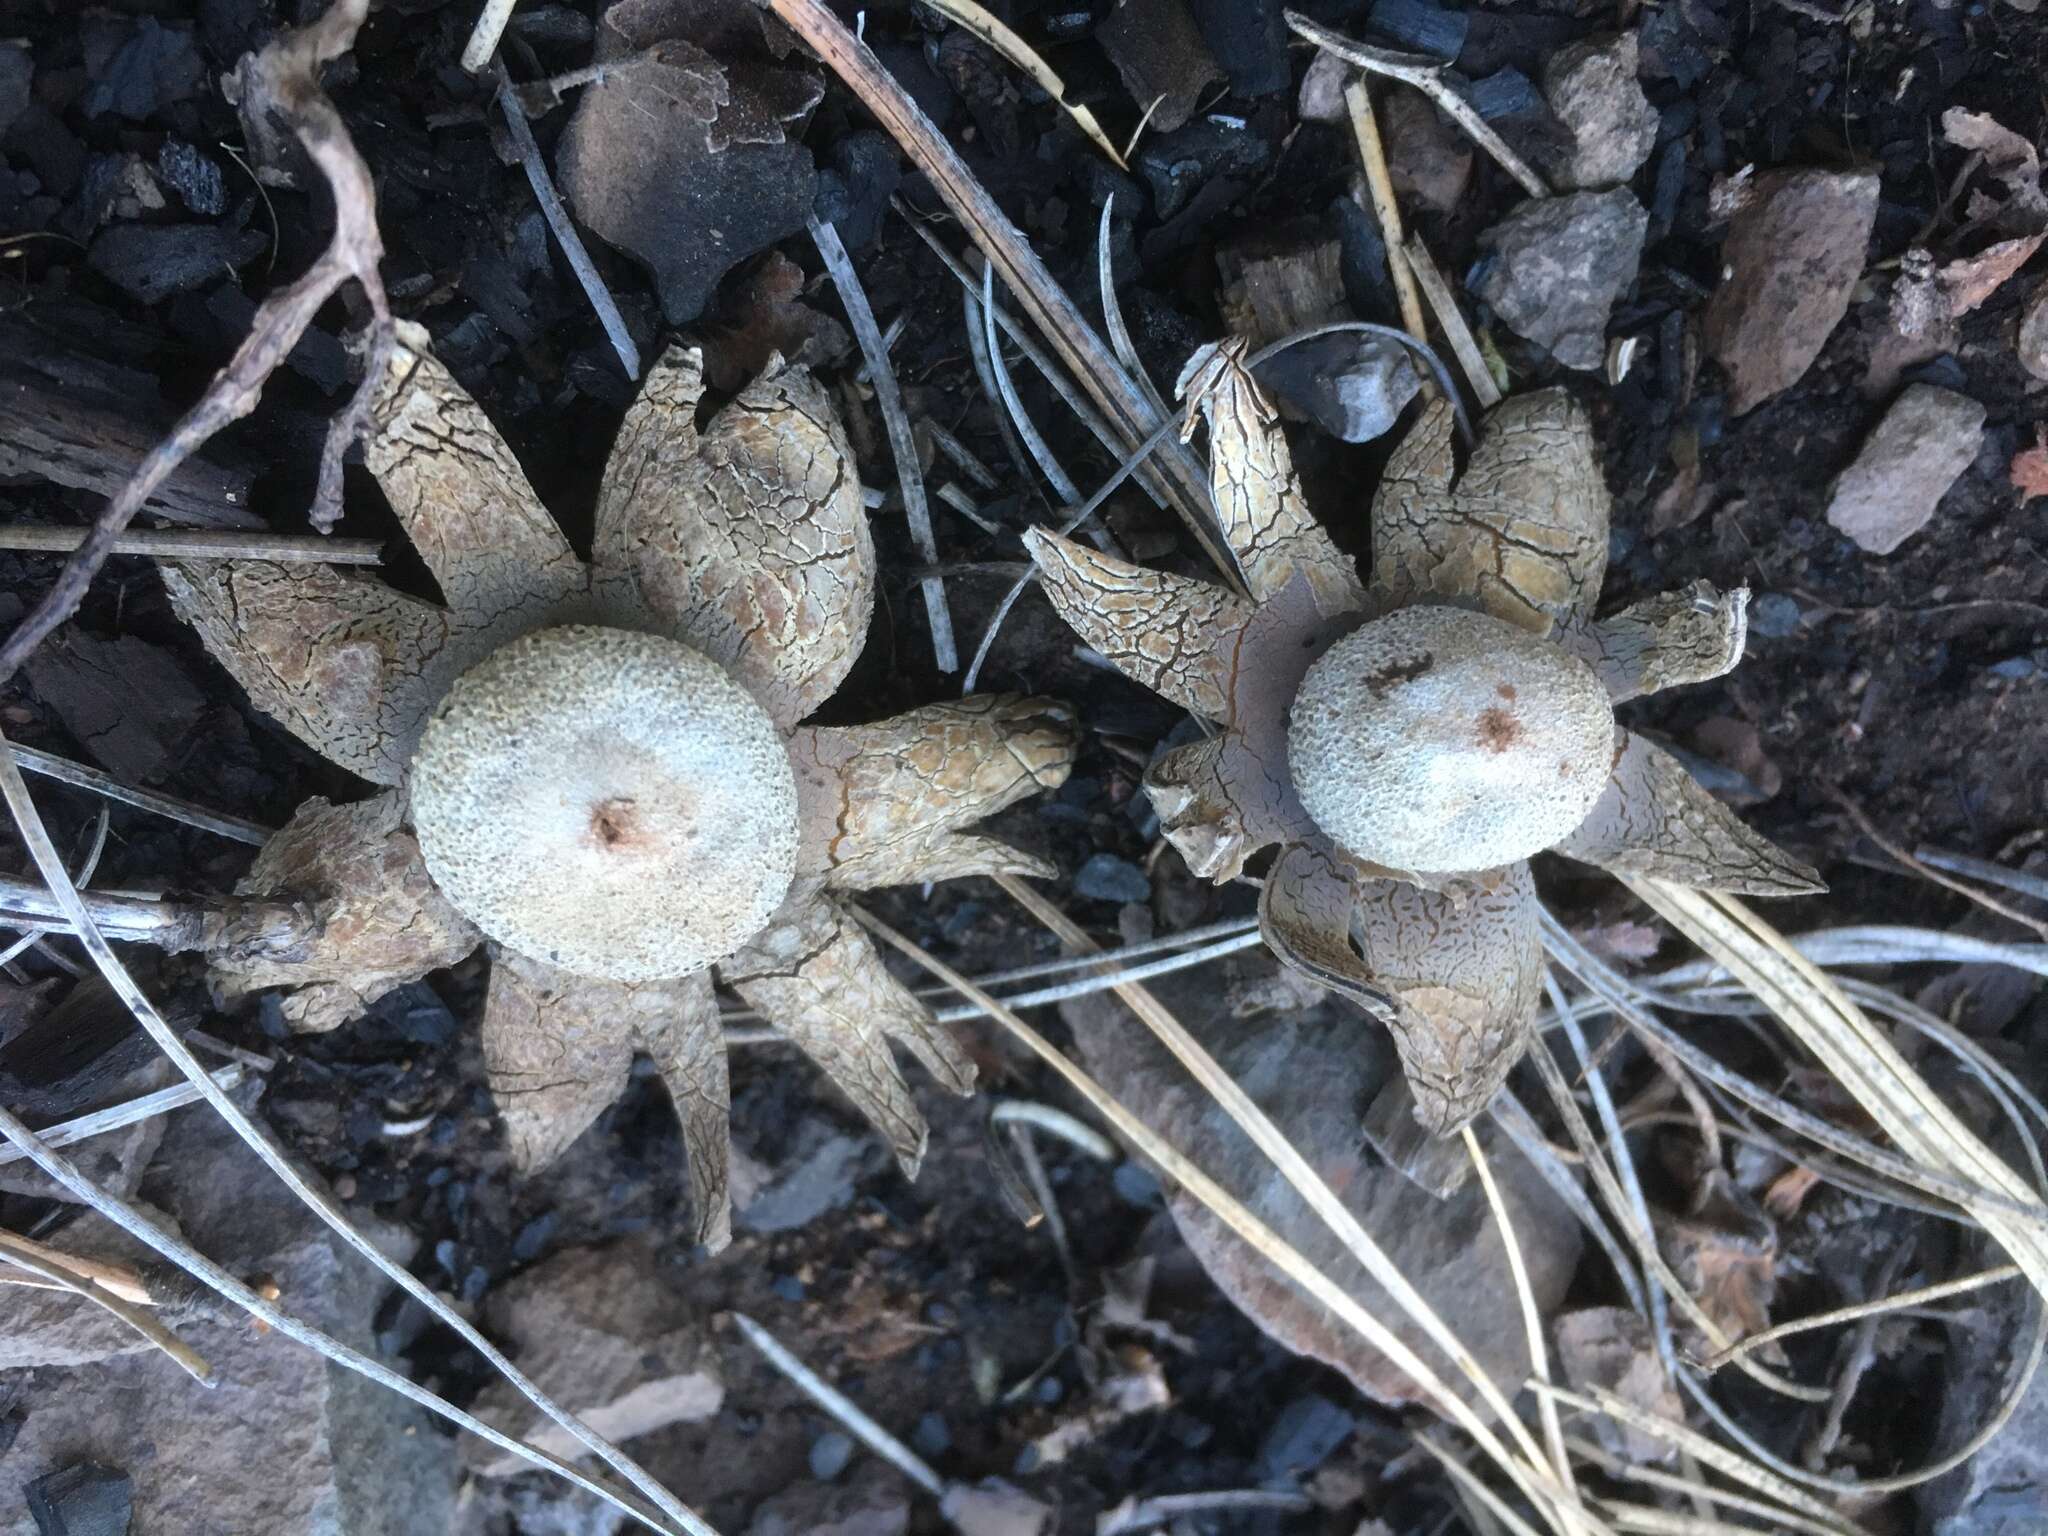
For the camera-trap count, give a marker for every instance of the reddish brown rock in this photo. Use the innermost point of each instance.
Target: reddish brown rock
(1789, 266)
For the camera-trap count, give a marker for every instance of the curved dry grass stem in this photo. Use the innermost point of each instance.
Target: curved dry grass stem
(51, 866)
(1696, 1489)
(219, 1280)
(1532, 1320)
(1266, 1136)
(1528, 1468)
(1720, 1458)
(1862, 1058)
(1426, 76)
(1918, 1297)
(1530, 1475)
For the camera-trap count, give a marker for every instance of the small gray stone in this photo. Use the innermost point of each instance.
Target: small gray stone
(601, 1334)
(1775, 616)
(1911, 458)
(1593, 91)
(285, 1444)
(149, 262)
(1559, 264)
(85, 1499)
(2033, 336)
(830, 1453)
(873, 1502)
(1353, 386)
(1794, 250)
(1105, 877)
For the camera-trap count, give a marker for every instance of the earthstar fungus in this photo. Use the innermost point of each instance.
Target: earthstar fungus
(598, 772)
(1408, 743)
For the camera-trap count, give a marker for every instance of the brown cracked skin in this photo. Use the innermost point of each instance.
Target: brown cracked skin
(815, 975)
(1453, 974)
(1663, 641)
(748, 541)
(346, 664)
(1253, 483)
(378, 920)
(558, 1049)
(883, 804)
(1173, 634)
(1521, 535)
(498, 555)
(1655, 820)
(1449, 960)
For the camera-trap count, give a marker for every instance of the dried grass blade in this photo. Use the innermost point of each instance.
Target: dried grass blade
(967, 14)
(28, 821)
(917, 512)
(1530, 1475)
(1532, 1321)
(1671, 1482)
(33, 1257)
(1719, 1457)
(1317, 1194)
(1861, 1057)
(1175, 477)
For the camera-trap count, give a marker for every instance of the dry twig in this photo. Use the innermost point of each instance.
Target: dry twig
(281, 83)
(889, 398)
(1427, 76)
(202, 544)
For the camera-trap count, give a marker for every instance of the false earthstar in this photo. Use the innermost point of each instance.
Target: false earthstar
(598, 772)
(1409, 742)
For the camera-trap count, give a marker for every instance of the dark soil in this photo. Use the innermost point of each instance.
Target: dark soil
(1914, 686)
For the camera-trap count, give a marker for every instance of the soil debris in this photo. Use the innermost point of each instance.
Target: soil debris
(1794, 251)
(1907, 464)
(600, 1333)
(1161, 55)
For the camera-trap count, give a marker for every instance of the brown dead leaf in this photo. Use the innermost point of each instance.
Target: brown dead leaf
(1610, 1347)
(1788, 1191)
(1968, 282)
(760, 316)
(1725, 1253)
(2029, 471)
(2008, 156)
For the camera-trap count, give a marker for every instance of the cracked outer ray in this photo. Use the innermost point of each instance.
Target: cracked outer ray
(883, 804)
(1172, 634)
(1655, 820)
(1464, 967)
(558, 1049)
(465, 503)
(345, 663)
(1691, 636)
(1524, 533)
(1305, 916)
(380, 920)
(1253, 483)
(816, 977)
(748, 541)
(1219, 804)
